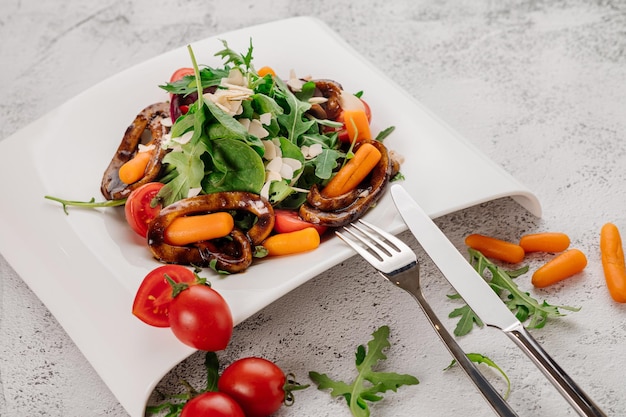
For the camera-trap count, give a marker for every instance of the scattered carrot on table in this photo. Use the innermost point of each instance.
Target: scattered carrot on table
(353, 172)
(496, 248)
(292, 242)
(563, 266)
(612, 254)
(544, 242)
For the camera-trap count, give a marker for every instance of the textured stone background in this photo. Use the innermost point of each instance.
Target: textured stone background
(539, 86)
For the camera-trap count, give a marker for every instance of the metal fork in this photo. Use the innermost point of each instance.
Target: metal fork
(397, 262)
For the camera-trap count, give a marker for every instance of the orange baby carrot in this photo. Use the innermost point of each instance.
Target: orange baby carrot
(544, 242)
(612, 254)
(134, 169)
(263, 71)
(292, 242)
(357, 124)
(562, 266)
(190, 229)
(353, 172)
(496, 248)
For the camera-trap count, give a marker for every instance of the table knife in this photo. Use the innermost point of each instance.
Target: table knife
(487, 305)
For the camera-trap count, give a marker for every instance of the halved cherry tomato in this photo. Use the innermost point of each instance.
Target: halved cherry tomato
(342, 132)
(212, 404)
(152, 301)
(180, 73)
(200, 317)
(139, 209)
(287, 221)
(256, 384)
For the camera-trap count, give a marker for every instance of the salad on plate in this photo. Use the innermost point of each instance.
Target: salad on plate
(241, 164)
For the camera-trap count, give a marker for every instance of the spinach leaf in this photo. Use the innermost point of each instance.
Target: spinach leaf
(244, 169)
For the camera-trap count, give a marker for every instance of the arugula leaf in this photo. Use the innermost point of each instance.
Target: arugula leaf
(326, 162)
(467, 320)
(293, 121)
(236, 58)
(368, 384)
(478, 358)
(519, 302)
(208, 77)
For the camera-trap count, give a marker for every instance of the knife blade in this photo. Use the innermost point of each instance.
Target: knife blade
(462, 276)
(484, 301)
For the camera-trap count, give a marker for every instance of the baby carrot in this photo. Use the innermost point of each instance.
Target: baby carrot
(357, 125)
(263, 71)
(292, 242)
(134, 169)
(353, 172)
(496, 248)
(544, 242)
(612, 254)
(190, 229)
(559, 268)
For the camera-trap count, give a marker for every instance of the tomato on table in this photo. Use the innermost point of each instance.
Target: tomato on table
(257, 384)
(140, 209)
(286, 221)
(213, 404)
(200, 317)
(152, 301)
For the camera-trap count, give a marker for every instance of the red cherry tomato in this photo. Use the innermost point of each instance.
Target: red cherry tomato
(256, 384)
(200, 318)
(180, 73)
(138, 208)
(212, 404)
(289, 221)
(154, 295)
(342, 132)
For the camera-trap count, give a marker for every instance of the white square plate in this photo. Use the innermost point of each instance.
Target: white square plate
(86, 266)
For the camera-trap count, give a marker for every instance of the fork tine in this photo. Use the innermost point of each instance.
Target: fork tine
(368, 256)
(390, 243)
(397, 244)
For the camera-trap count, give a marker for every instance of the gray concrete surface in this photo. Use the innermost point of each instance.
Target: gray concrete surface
(538, 86)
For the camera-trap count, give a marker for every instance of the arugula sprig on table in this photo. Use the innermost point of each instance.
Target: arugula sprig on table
(368, 384)
(522, 304)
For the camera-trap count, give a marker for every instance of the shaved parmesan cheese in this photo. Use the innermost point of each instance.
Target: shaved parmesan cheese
(194, 192)
(256, 128)
(266, 118)
(274, 165)
(318, 100)
(145, 148)
(293, 163)
(349, 101)
(270, 150)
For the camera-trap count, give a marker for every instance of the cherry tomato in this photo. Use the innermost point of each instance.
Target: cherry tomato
(154, 295)
(256, 384)
(200, 318)
(289, 221)
(138, 208)
(212, 404)
(343, 133)
(180, 73)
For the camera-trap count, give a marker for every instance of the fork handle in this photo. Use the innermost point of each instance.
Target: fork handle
(557, 376)
(497, 403)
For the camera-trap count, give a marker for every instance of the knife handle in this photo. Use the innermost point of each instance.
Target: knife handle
(557, 376)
